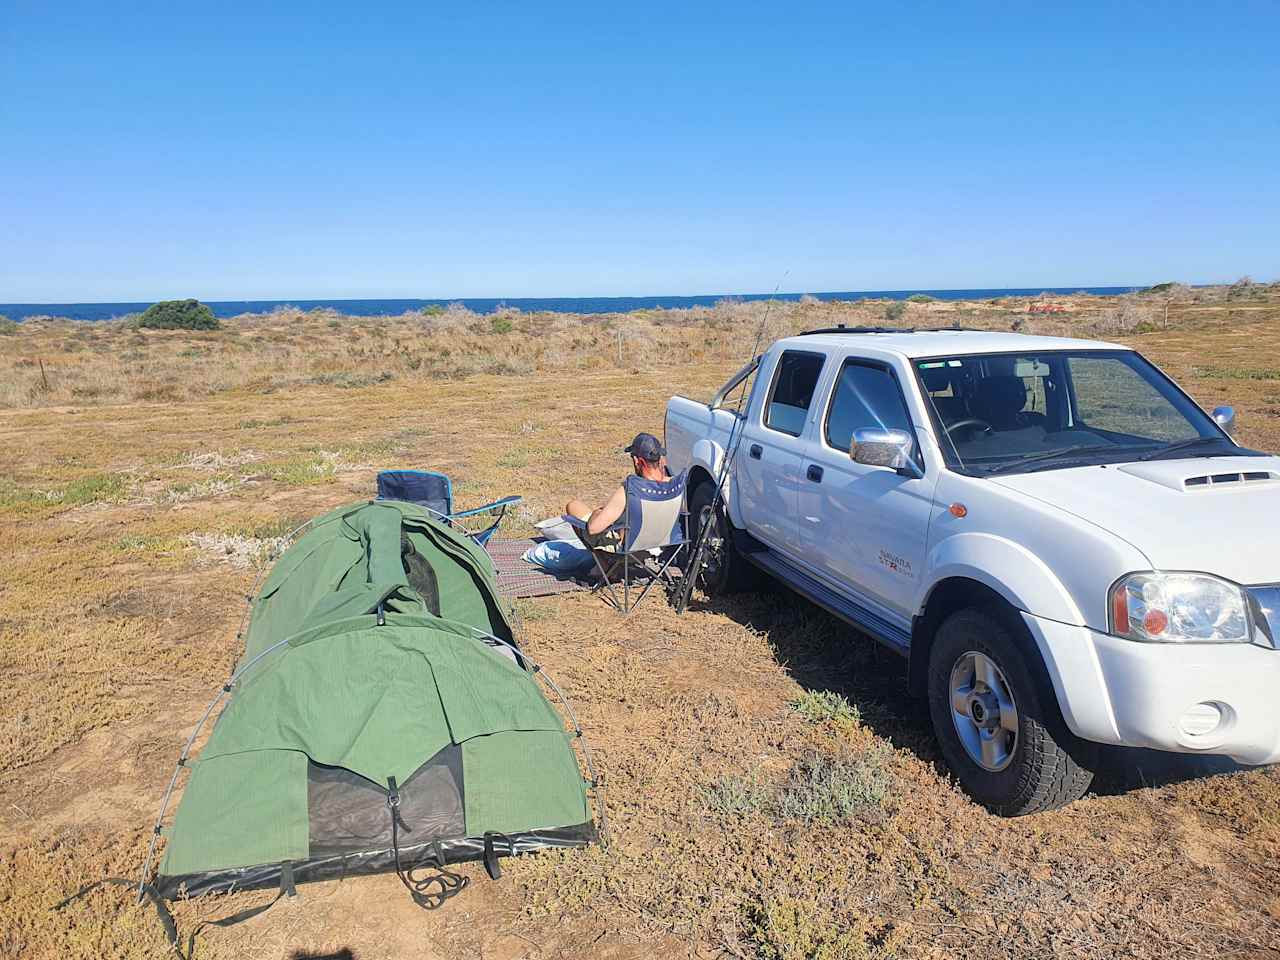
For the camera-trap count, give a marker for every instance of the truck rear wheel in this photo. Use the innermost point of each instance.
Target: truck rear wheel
(724, 569)
(997, 726)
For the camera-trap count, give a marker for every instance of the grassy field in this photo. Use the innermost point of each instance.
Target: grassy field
(772, 792)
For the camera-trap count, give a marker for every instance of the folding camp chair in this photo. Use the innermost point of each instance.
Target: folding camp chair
(645, 541)
(435, 492)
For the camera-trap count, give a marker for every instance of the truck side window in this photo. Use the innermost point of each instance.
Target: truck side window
(866, 396)
(792, 391)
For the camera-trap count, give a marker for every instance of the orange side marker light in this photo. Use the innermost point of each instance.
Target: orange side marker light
(958, 510)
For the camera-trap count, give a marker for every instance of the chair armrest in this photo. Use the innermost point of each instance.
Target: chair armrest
(488, 507)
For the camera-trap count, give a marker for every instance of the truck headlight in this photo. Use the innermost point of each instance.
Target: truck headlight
(1179, 608)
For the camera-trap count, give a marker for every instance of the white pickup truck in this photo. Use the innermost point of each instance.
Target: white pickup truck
(1069, 551)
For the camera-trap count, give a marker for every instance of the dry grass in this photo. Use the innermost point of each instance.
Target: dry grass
(772, 794)
(51, 362)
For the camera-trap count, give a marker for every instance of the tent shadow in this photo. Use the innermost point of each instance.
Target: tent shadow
(822, 653)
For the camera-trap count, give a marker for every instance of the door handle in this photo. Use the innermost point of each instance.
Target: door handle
(755, 451)
(814, 473)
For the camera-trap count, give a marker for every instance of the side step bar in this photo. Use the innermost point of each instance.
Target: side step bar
(869, 622)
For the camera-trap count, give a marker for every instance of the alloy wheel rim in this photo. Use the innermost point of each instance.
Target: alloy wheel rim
(984, 711)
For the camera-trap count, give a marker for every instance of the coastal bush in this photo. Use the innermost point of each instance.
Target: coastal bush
(921, 298)
(7, 327)
(736, 796)
(799, 928)
(895, 311)
(501, 324)
(825, 789)
(818, 706)
(178, 315)
(1244, 288)
(433, 310)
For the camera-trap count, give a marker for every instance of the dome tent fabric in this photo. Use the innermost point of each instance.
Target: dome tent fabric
(379, 666)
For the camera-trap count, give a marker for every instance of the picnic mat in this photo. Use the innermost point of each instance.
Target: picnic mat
(519, 579)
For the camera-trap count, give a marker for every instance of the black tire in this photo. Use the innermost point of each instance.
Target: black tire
(1047, 766)
(724, 571)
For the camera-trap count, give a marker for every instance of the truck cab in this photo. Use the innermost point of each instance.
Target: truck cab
(1066, 548)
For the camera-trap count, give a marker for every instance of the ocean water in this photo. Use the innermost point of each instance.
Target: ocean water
(375, 308)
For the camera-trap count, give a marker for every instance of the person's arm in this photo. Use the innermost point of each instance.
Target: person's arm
(602, 518)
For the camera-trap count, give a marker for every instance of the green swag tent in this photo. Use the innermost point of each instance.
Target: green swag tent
(380, 719)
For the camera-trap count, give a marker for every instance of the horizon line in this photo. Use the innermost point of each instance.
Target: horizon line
(651, 296)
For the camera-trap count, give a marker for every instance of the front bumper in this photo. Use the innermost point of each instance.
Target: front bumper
(1142, 694)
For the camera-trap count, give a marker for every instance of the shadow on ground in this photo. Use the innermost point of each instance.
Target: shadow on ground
(821, 652)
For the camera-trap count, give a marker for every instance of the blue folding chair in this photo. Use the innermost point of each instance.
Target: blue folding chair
(645, 541)
(435, 492)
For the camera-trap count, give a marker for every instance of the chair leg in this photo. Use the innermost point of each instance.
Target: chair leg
(654, 578)
(612, 598)
(626, 584)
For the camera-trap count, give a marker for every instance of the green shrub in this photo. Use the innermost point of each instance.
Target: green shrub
(501, 324)
(818, 706)
(735, 796)
(794, 928)
(895, 311)
(7, 327)
(921, 298)
(97, 488)
(823, 789)
(178, 315)
(433, 310)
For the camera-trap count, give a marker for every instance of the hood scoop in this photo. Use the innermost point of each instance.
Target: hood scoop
(1217, 479)
(1175, 475)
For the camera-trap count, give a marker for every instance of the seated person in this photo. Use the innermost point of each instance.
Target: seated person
(649, 460)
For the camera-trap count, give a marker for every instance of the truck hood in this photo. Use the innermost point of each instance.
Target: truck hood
(1217, 515)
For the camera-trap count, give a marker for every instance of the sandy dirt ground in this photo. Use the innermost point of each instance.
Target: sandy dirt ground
(131, 533)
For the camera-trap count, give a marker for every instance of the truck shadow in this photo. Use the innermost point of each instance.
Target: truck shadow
(822, 653)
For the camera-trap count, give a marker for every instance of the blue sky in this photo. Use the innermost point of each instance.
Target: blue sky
(229, 151)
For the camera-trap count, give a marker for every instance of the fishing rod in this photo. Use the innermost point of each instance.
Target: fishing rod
(697, 555)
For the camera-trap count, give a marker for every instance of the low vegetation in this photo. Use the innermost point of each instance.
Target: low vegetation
(51, 362)
(818, 706)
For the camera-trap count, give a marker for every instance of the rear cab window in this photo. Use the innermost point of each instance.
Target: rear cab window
(795, 380)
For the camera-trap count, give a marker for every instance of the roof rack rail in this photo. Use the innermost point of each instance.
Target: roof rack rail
(844, 329)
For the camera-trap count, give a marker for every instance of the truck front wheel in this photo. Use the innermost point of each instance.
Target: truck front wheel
(724, 569)
(998, 728)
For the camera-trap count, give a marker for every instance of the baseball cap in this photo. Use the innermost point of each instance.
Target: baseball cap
(646, 447)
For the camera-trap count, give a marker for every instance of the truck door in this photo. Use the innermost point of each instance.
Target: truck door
(767, 466)
(864, 527)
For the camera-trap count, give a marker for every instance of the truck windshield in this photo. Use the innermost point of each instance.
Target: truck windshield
(1011, 413)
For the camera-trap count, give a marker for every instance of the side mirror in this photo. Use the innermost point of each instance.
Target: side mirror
(884, 448)
(1225, 417)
